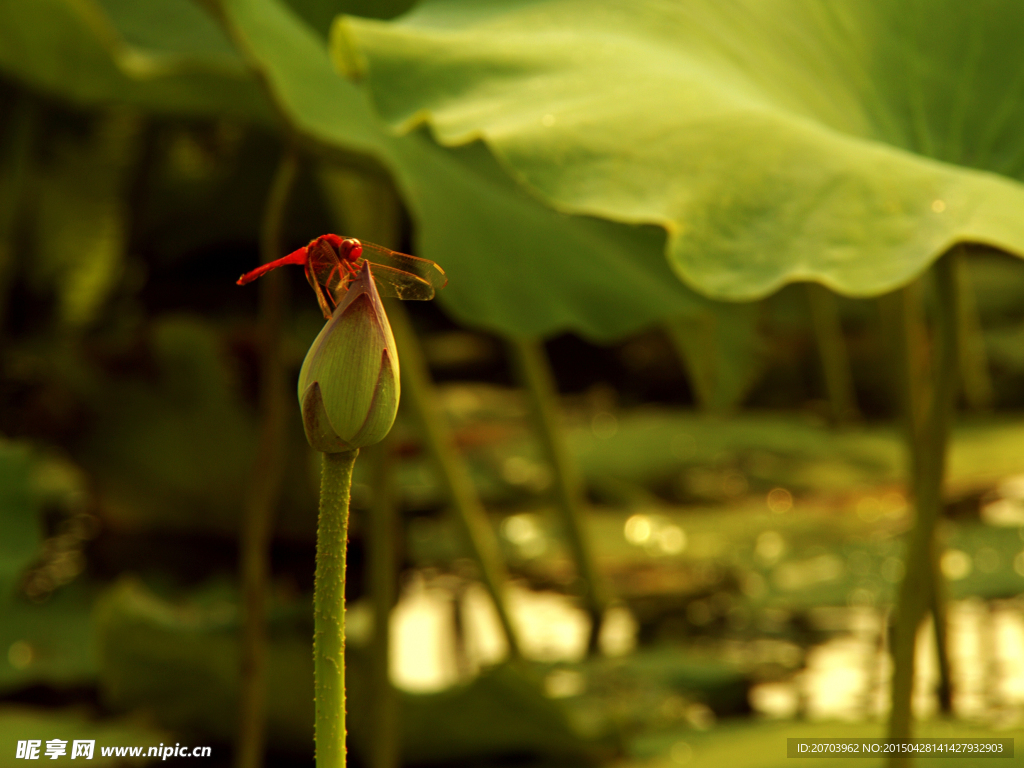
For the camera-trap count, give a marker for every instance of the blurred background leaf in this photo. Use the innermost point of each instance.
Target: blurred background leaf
(166, 56)
(181, 660)
(20, 534)
(23, 723)
(83, 186)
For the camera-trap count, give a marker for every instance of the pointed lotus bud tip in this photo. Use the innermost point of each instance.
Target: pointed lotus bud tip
(349, 386)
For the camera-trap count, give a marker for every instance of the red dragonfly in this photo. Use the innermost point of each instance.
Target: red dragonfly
(331, 262)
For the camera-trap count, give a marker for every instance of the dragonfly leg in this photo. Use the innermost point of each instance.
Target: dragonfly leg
(325, 300)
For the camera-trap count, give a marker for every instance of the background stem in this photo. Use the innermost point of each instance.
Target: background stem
(944, 689)
(693, 339)
(385, 745)
(329, 608)
(535, 375)
(835, 362)
(977, 381)
(266, 480)
(17, 161)
(928, 444)
(418, 394)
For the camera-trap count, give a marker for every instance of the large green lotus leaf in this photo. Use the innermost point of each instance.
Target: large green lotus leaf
(163, 55)
(514, 264)
(773, 140)
(320, 13)
(519, 267)
(292, 60)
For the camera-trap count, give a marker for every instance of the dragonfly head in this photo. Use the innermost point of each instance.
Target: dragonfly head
(347, 248)
(350, 248)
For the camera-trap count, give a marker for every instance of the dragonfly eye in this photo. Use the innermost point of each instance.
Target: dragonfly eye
(351, 248)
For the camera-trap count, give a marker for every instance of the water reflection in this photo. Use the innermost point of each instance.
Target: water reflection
(845, 677)
(424, 651)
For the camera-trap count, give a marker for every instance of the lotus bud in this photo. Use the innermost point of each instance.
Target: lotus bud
(348, 385)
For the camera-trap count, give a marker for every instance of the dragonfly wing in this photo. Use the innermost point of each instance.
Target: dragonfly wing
(398, 284)
(323, 262)
(426, 270)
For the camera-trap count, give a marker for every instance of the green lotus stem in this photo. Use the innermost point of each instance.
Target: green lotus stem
(535, 375)
(835, 362)
(266, 481)
(977, 382)
(418, 394)
(928, 447)
(329, 608)
(385, 745)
